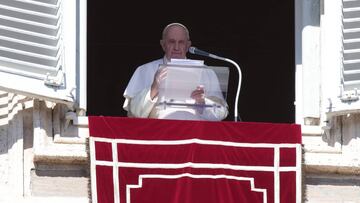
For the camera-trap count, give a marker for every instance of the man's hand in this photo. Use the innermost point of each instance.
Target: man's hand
(199, 95)
(158, 77)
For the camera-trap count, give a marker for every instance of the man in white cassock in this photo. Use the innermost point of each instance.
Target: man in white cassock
(142, 93)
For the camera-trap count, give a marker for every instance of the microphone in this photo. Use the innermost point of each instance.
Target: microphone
(194, 50)
(197, 51)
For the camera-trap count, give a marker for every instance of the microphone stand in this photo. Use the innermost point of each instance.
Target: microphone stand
(236, 116)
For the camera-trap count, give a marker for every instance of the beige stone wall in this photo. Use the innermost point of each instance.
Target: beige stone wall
(43, 151)
(336, 150)
(331, 161)
(40, 143)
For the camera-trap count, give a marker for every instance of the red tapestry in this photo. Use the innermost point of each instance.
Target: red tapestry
(172, 161)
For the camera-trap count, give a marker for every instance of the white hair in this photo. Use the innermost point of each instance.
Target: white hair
(175, 24)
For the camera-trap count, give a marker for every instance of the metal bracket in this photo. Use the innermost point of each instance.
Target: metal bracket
(76, 118)
(56, 81)
(69, 116)
(349, 96)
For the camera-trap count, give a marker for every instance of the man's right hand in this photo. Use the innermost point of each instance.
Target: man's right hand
(159, 76)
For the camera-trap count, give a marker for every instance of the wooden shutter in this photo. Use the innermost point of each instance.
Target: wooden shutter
(350, 77)
(39, 48)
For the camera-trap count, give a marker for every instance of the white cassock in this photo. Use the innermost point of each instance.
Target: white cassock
(139, 104)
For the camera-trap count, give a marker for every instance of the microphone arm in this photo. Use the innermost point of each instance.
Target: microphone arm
(194, 50)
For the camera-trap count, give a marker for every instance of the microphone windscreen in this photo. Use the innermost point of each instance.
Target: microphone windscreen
(192, 50)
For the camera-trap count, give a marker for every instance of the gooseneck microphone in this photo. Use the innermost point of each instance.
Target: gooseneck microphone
(196, 51)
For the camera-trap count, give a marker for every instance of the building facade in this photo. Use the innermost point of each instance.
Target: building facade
(43, 127)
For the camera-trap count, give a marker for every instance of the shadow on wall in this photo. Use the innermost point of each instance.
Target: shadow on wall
(346, 131)
(15, 122)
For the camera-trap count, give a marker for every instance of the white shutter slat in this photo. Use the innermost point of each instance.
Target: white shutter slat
(29, 46)
(28, 25)
(351, 34)
(37, 73)
(352, 23)
(29, 57)
(352, 54)
(29, 36)
(25, 66)
(47, 1)
(351, 4)
(352, 44)
(28, 15)
(29, 5)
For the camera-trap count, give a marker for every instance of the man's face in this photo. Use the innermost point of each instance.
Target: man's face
(175, 43)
